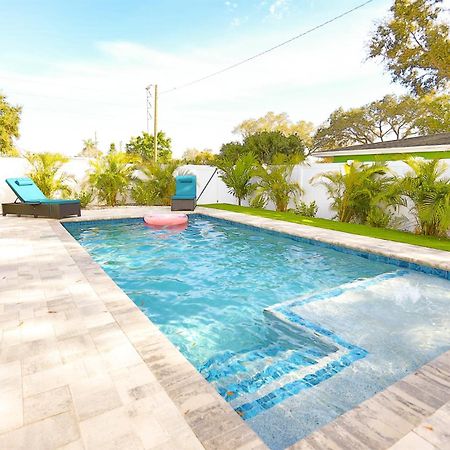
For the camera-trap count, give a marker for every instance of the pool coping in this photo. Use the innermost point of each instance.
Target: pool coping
(185, 385)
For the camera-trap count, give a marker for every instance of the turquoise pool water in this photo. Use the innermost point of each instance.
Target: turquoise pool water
(207, 289)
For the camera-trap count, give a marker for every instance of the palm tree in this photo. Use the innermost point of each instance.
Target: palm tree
(111, 176)
(90, 149)
(45, 172)
(429, 190)
(275, 182)
(238, 175)
(360, 191)
(159, 185)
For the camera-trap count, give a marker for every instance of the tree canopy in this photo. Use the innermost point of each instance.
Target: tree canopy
(143, 146)
(414, 44)
(386, 119)
(264, 146)
(199, 157)
(276, 122)
(9, 127)
(435, 117)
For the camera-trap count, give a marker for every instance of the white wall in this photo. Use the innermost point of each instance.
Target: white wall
(216, 191)
(10, 168)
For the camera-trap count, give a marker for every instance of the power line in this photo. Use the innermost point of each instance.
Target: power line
(264, 52)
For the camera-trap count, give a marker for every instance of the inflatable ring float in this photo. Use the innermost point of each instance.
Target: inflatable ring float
(166, 221)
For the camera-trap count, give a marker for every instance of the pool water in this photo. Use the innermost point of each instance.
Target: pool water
(215, 290)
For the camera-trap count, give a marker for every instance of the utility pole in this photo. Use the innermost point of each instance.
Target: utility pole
(155, 117)
(148, 89)
(155, 125)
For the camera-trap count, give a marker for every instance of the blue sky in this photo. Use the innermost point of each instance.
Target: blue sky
(80, 67)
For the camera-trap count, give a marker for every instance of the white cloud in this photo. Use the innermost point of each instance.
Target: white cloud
(231, 5)
(278, 8)
(307, 79)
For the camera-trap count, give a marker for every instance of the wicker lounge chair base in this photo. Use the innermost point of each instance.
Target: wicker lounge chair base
(183, 205)
(52, 210)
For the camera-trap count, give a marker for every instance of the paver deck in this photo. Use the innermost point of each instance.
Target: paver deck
(82, 367)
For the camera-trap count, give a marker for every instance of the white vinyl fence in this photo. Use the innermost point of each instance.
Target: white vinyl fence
(216, 192)
(78, 168)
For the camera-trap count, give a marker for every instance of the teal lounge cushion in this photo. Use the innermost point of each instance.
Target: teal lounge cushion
(25, 189)
(185, 187)
(28, 192)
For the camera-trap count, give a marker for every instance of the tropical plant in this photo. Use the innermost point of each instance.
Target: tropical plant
(258, 201)
(238, 175)
(9, 127)
(90, 149)
(385, 202)
(360, 190)
(46, 173)
(143, 146)
(158, 186)
(111, 176)
(306, 209)
(275, 182)
(429, 191)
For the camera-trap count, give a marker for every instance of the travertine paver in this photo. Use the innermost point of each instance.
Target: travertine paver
(82, 367)
(432, 433)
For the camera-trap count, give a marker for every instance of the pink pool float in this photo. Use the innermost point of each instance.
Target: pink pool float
(173, 222)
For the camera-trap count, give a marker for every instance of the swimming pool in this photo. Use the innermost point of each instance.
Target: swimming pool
(229, 298)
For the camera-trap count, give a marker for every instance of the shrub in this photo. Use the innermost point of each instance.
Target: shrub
(306, 209)
(86, 197)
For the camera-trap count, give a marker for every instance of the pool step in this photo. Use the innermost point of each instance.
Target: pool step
(255, 380)
(258, 379)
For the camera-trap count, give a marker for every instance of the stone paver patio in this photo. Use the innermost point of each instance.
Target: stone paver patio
(82, 367)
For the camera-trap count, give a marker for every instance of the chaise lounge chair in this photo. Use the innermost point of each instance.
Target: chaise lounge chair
(185, 193)
(33, 202)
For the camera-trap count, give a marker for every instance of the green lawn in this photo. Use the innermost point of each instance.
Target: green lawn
(363, 230)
